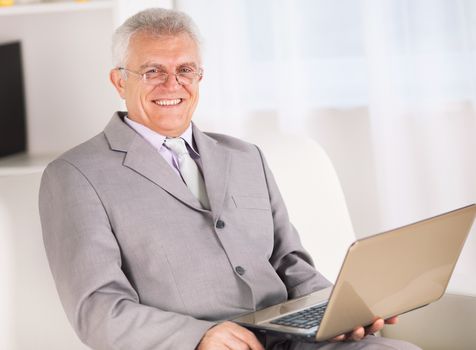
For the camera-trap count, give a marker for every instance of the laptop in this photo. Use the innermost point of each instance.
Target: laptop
(382, 276)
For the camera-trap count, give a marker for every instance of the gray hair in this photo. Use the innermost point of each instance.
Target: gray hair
(155, 21)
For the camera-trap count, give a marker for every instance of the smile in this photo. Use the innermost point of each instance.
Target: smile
(168, 102)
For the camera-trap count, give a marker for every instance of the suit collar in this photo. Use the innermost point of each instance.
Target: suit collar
(145, 160)
(156, 139)
(118, 134)
(215, 167)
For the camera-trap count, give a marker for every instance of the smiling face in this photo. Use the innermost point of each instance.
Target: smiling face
(166, 108)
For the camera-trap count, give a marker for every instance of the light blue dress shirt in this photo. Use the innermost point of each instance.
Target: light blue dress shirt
(157, 141)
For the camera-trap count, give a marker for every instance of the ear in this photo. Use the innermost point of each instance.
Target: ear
(117, 79)
(201, 74)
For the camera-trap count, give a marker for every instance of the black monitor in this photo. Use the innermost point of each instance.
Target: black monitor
(12, 100)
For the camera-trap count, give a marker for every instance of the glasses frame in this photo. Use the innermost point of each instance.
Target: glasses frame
(142, 76)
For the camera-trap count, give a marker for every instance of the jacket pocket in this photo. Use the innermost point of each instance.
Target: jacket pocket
(251, 202)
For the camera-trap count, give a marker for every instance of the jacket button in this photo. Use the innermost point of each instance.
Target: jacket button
(220, 224)
(240, 270)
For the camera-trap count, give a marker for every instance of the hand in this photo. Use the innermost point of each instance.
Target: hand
(360, 332)
(229, 336)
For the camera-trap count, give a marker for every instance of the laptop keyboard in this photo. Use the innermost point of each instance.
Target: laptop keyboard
(306, 319)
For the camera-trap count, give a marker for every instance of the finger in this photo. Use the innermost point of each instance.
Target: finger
(392, 320)
(222, 336)
(236, 343)
(357, 334)
(246, 336)
(338, 338)
(251, 342)
(375, 327)
(227, 341)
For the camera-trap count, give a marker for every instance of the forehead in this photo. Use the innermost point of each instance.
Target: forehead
(168, 50)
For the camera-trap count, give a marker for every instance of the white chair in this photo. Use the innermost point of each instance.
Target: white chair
(313, 195)
(34, 318)
(316, 204)
(448, 324)
(31, 315)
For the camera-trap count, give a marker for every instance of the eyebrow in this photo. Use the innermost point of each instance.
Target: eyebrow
(162, 67)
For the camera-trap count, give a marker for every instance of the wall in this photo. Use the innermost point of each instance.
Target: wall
(66, 60)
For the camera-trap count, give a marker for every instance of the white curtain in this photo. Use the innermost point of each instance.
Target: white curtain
(298, 55)
(279, 56)
(388, 87)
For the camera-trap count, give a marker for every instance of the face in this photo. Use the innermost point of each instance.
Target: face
(165, 108)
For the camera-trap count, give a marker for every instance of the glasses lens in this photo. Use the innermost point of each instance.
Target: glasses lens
(155, 77)
(187, 78)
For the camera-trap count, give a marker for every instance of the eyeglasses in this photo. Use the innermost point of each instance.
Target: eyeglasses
(155, 76)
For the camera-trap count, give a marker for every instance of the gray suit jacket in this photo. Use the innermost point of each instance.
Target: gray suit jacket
(138, 263)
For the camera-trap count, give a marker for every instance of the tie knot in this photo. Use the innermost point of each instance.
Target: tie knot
(176, 145)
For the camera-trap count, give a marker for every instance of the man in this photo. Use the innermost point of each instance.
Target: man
(156, 232)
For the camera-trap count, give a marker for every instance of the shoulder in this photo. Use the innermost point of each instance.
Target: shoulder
(92, 153)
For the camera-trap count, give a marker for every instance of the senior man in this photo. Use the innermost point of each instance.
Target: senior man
(156, 232)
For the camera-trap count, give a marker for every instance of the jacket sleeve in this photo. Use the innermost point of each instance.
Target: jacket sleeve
(291, 261)
(85, 260)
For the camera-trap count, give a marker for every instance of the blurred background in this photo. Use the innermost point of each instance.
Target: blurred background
(388, 88)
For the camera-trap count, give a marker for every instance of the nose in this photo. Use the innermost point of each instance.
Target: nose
(172, 82)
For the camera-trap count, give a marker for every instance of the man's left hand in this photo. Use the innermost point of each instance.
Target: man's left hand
(360, 332)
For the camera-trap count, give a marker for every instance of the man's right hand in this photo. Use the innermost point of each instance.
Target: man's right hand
(229, 336)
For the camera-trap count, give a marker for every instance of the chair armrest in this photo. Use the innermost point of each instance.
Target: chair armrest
(449, 323)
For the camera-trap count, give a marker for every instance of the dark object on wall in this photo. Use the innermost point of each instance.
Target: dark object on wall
(12, 100)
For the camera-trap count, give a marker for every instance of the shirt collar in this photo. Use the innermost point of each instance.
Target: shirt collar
(156, 139)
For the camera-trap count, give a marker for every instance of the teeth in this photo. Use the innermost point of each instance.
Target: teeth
(168, 102)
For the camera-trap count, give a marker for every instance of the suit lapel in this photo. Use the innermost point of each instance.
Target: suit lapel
(146, 161)
(215, 166)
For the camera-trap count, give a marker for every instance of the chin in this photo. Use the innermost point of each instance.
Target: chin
(171, 129)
